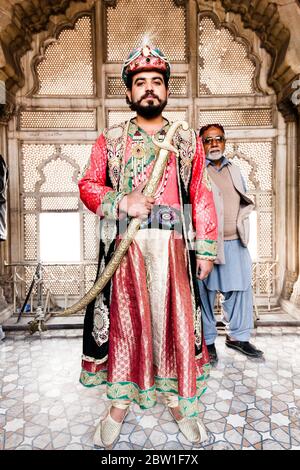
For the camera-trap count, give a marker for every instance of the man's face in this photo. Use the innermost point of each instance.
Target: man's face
(148, 95)
(214, 143)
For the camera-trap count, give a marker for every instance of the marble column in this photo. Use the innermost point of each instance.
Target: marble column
(292, 207)
(295, 297)
(3, 244)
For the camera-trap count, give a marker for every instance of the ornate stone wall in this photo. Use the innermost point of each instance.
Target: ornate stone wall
(27, 25)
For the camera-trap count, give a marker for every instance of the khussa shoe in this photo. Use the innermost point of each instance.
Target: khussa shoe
(108, 430)
(192, 428)
(244, 347)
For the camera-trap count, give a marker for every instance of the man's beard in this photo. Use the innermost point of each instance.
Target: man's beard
(149, 111)
(214, 155)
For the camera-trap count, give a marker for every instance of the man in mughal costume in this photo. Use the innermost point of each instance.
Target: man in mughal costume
(143, 333)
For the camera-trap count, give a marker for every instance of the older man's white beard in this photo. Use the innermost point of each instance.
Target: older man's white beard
(214, 155)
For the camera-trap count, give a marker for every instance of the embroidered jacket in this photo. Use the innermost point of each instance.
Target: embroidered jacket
(119, 156)
(104, 182)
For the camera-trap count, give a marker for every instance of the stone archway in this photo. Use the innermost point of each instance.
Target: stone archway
(18, 24)
(263, 18)
(23, 19)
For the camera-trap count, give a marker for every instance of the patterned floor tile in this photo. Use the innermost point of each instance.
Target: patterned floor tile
(249, 404)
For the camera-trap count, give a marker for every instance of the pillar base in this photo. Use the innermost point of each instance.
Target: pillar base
(290, 308)
(289, 282)
(295, 297)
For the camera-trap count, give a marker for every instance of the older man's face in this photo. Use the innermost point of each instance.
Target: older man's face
(214, 143)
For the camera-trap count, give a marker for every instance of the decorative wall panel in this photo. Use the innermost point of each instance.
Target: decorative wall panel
(133, 23)
(67, 68)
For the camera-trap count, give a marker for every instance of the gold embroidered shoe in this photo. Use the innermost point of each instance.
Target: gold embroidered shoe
(192, 429)
(108, 430)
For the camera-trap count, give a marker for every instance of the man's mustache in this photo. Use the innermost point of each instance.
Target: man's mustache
(147, 95)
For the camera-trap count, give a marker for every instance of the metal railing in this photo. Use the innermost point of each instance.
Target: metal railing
(35, 293)
(35, 284)
(264, 273)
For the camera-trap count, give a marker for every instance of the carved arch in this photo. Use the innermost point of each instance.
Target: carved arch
(58, 154)
(263, 18)
(26, 19)
(236, 153)
(68, 23)
(239, 39)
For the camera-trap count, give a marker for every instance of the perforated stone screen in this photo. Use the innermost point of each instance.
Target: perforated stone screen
(255, 157)
(59, 204)
(49, 184)
(265, 229)
(59, 177)
(67, 68)
(63, 280)
(224, 66)
(58, 120)
(132, 23)
(255, 160)
(91, 236)
(236, 117)
(29, 203)
(60, 164)
(90, 276)
(30, 235)
(32, 157)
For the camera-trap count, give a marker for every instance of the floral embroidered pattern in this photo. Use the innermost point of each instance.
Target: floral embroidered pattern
(130, 391)
(206, 249)
(198, 328)
(88, 379)
(147, 398)
(108, 232)
(185, 141)
(141, 159)
(101, 322)
(115, 144)
(206, 179)
(110, 203)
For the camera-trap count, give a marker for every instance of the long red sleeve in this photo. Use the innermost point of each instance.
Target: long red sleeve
(92, 186)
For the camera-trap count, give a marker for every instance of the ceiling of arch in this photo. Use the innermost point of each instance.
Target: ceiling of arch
(18, 23)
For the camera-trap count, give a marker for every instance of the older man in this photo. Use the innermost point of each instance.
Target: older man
(231, 275)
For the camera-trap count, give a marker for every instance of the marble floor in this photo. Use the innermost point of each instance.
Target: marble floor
(249, 404)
